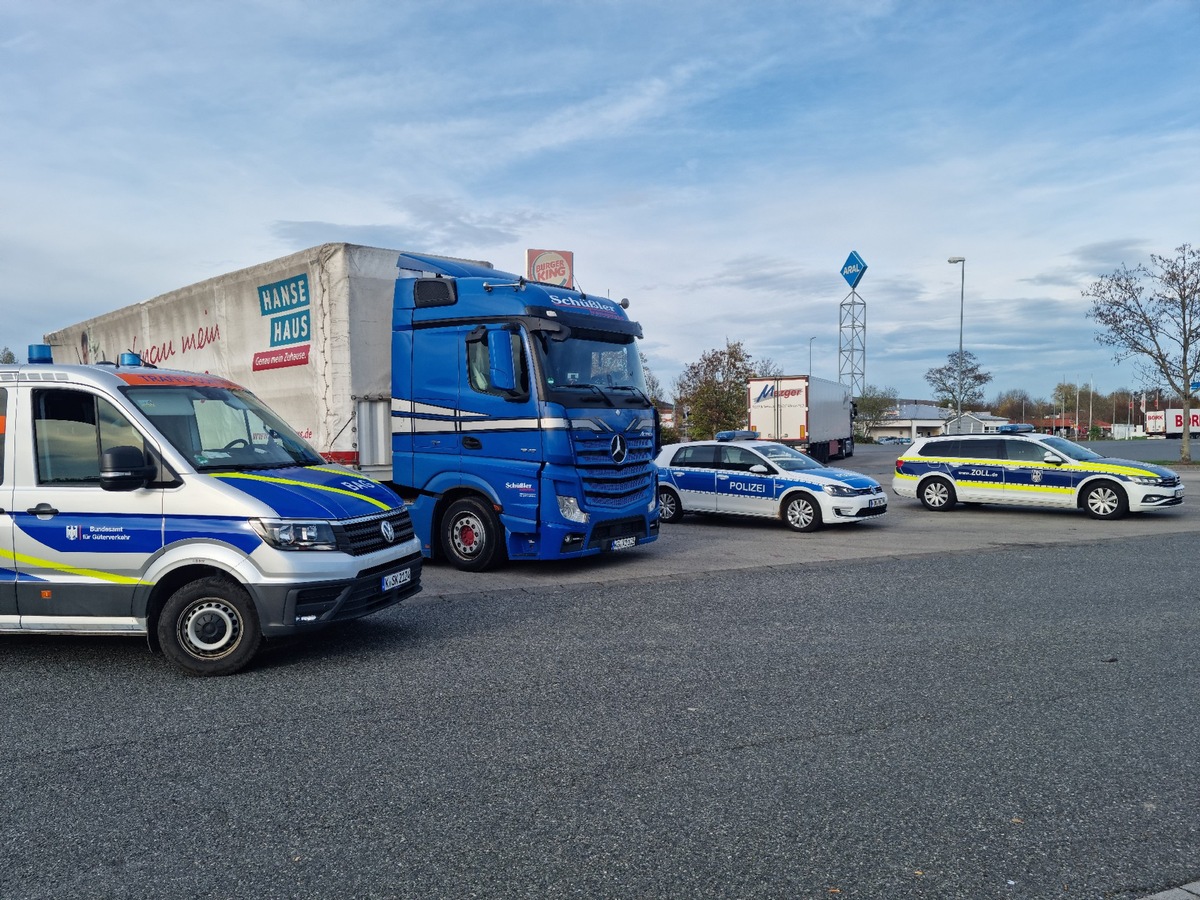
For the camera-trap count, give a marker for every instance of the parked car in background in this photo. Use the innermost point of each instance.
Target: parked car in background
(1027, 469)
(765, 479)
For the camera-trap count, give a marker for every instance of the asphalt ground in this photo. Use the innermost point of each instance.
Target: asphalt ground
(1003, 705)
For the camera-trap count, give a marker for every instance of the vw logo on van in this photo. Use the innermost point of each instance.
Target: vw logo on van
(619, 449)
(389, 533)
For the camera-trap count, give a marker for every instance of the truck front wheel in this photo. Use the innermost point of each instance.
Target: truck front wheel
(209, 627)
(471, 536)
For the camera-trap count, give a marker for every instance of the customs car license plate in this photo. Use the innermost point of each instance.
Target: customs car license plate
(624, 543)
(878, 501)
(1178, 492)
(394, 580)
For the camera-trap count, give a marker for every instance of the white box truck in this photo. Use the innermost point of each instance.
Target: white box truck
(810, 413)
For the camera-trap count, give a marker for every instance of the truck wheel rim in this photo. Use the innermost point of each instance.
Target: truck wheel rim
(210, 628)
(467, 535)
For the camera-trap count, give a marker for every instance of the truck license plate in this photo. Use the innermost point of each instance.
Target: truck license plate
(624, 543)
(878, 501)
(396, 579)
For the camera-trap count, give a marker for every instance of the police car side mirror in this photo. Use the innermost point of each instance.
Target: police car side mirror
(124, 469)
(759, 469)
(1052, 459)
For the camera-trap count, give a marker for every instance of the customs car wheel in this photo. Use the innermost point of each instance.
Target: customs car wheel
(209, 627)
(670, 509)
(800, 512)
(1105, 500)
(471, 537)
(938, 494)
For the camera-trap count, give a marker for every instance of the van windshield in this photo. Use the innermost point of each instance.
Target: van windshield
(222, 428)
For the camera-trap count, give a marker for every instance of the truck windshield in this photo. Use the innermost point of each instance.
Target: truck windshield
(604, 365)
(220, 428)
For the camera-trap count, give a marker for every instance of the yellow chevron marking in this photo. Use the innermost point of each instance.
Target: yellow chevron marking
(35, 562)
(303, 484)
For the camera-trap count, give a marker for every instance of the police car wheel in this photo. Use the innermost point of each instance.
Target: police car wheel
(1105, 500)
(801, 513)
(471, 537)
(669, 507)
(209, 627)
(938, 495)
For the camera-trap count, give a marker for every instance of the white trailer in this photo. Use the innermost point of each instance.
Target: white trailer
(1169, 423)
(811, 413)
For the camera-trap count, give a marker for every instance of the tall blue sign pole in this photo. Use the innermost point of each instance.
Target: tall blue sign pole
(852, 338)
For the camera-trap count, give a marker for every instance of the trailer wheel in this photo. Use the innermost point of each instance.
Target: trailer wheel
(209, 627)
(938, 495)
(1105, 500)
(800, 512)
(670, 509)
(471, 536)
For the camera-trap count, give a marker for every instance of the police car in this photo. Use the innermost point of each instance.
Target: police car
(1016, 466)
(761, 478)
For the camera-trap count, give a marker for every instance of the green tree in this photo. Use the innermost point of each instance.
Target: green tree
(7, 357)
(959, 383)
(1152, 313)
(712, 392)
(873, 406)
(653, 385)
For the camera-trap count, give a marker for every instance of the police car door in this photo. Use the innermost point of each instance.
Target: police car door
(979, 471)
(8, 571)
(1030, 479)
(80, 550)
(694, 471)
(738, 489)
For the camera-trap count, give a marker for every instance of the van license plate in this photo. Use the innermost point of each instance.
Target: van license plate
(404, 576)
(624, 543)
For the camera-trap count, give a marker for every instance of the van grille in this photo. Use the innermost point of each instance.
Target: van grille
(359, 537)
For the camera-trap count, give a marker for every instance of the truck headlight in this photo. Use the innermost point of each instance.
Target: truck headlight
(568, 507)
(293, 534)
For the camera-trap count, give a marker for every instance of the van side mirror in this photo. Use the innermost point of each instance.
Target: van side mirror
(124, 468)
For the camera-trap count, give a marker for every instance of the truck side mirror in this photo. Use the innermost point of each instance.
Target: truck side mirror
(500, 362)
(124, 468)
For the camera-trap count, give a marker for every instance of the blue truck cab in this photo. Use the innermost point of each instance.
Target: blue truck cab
(521, 424)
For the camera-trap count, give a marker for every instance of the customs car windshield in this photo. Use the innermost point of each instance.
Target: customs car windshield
(786, 458)
(1070, 449)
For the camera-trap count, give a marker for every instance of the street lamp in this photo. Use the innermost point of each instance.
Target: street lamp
(960, 261)
(810, 340)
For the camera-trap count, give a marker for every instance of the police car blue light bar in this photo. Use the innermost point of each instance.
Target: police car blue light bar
(737, 435)
(1015, 429)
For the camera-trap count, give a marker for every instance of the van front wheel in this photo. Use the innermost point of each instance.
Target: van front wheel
(209, 627)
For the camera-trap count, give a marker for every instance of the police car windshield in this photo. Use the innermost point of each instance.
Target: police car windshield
(787, 458)
(222, 428)
(1070, 449)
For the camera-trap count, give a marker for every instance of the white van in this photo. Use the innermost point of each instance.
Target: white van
(142, 501)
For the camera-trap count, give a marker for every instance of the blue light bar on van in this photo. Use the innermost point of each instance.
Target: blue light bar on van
(1015, 429)
(41, 354)
(130, 359)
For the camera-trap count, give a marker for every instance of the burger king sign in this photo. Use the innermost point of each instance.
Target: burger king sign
(550, 267)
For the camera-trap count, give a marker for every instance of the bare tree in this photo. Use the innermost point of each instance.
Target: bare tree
(1153, 313)
(874, 404)
(959, 384)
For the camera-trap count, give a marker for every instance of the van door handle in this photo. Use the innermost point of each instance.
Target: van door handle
(472, 443)
(43, 509)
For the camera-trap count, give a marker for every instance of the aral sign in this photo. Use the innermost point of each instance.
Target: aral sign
(853, 269)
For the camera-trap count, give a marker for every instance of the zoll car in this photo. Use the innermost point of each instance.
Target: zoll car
(762, 478)
(1026, 469)
(142, 501)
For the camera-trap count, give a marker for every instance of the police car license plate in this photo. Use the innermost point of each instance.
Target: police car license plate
(878, 501)
(404, 576)
(624, 543)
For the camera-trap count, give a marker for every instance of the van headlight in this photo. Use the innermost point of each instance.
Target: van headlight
(568, 508)
(294, 534)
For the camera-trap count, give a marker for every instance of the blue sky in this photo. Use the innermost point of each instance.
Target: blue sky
(713, 162)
